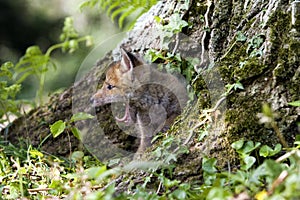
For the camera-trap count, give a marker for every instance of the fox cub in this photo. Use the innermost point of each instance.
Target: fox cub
(152, 99)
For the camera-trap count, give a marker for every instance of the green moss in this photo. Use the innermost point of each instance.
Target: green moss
(248, 69)
(242, 119)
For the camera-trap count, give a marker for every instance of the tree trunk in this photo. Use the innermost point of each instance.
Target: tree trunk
(254, 42)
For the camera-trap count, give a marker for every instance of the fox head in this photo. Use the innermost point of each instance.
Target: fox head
(118, 84)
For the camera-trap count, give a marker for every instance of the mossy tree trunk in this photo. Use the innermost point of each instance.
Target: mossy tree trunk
(253, 42)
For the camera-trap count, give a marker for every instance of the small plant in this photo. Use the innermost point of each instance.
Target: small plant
(8, 92)
(209, 170)
(240, 37)
(244, 150)
(60, 126)
(235, 86)
(254, 45)
(36, 63)
(266, 151)
(166, 152)
(174, 63)
(34, 175)
(173, 26)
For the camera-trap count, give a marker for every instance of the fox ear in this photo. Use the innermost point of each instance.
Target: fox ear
(128, 61)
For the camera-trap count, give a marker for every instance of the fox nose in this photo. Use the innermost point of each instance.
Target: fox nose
(92, 100)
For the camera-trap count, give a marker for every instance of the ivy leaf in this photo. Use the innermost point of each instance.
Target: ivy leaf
(176, 24)
(238, 85)
(208, 165)
(57, 128)
(240, 37)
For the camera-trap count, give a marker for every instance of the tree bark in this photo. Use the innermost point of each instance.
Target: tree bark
(265, 62)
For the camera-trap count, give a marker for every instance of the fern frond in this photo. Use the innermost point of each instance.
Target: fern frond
(104, 4)
(124, 9)
(124, 16)
(113, 6)
(117, 12)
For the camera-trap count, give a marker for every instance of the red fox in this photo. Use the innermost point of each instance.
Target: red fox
(153, 99)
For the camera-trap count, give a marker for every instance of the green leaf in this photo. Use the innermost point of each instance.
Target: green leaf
(208, 165)
(175, 24)
(105, 4)
(77, 155)
(81, 116)
(57, 128)
(295, 103)
(238, 85)
(179, 194)
(170, 183)
(266, 151)
(218, 193)
(267, 111)
(35, 153)
(76, 133)
(249, 161)
(13, 90)
(272, 168)
(238, 144)
(171, 157)
(249, 147)
(95, 172)
(240, 37)
(277, 149)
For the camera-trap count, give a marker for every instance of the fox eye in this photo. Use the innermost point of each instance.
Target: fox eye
(109, 86)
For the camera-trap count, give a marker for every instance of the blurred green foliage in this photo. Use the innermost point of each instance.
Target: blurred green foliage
(120, 10)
